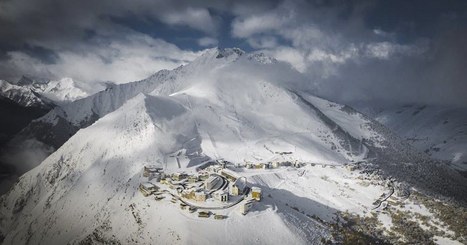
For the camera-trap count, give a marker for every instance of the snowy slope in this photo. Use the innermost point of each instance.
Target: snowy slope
(253, 97)
(143, 130)
(225, 105)
(440, 131)
(35, 97)
(21, 95)
(34, 90)
(217, 77)
(63, 90)
(60, 91)
(18, 107)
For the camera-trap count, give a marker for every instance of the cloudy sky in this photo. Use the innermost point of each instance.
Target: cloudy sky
(397, 51)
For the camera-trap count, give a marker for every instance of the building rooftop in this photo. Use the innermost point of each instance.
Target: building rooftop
(240, 183)
(200, 193)
(153, 168)
(230, 172)
(255, 189)
(220, 192)
(148, 185)
(212, 178)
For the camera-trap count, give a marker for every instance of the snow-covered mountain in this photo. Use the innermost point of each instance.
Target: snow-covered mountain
(22, 102)
(63, 90)
(28, 99)
(440, 131)
(224, 105)
(31, 92)
(18, 107)
(60, 91)
(21, 95)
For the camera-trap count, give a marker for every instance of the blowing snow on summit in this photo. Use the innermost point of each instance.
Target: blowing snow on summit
(208, 122)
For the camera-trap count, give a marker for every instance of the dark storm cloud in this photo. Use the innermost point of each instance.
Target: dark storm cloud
(400, 51)
(35, 35)
(394, 51)
(119, 40)
(431, 69)
(416, 18)
(437, 76)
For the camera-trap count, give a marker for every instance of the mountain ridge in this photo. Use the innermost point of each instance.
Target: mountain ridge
(230, 108)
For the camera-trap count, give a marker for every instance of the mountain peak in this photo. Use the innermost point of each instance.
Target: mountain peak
(260, 57)
(226, 55)
(27, 80)
(220, 53)
(227, 52)
(21, 95)
(224, 105)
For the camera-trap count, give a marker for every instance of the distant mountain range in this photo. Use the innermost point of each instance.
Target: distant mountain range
(439, 131)
(226, 105)
(88, 150)
(30, 98)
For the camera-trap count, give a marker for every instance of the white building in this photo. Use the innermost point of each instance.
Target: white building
(151, 170)
(245, 207)
(179, 176)
(211, 182)
(256, 193)
(229, 174)
(200, 196)
(155, 177)
(221, 195)
(147, 188)
(239, 187)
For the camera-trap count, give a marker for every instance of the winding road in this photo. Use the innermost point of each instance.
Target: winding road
(380, 200)
(223, 186)
(228, 205)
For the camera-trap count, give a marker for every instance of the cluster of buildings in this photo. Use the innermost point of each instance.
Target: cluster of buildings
(153, 172)
(147, 188)
(218, 187)
(272, 165)
(215, 181)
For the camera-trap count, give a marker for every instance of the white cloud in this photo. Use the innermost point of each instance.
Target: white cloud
(262, 42)
(386, 50)
(207, 41)
(316, 40)
(246, 27)
(339, 57)
(197, 18)
(305, 36)
(120, 61)
(289, 55)
(380, 50)
(382, 33)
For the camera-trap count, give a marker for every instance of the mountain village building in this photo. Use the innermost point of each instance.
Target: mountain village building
(151, 170)
(147, 188)
(221, 195)
(256, 193)
(245, 207)
(229, 174)
(211, 182)
(200, 196)
(239, 187)
(179, 176)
